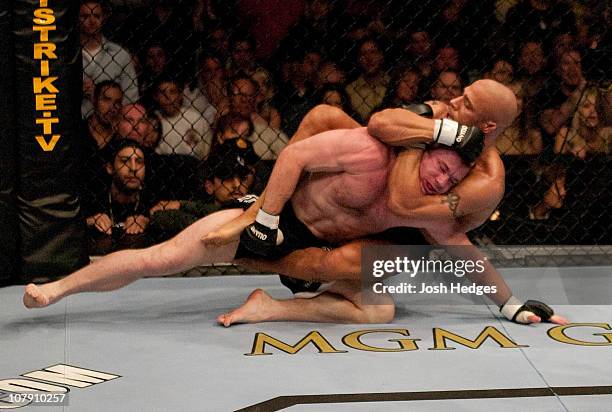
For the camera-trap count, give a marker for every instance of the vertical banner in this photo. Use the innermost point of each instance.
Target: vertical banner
(9, 229)
(48, 87)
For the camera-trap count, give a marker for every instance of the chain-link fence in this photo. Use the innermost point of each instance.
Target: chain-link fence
(212, 91)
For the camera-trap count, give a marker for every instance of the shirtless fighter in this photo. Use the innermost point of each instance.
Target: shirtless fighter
(186, 251)
(445, 220)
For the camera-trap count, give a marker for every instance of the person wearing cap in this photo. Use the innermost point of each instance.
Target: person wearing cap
(227, 175)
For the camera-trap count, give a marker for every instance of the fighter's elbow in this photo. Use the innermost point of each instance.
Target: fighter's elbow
(378, 123)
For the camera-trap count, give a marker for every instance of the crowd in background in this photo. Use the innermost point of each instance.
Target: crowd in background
(188, 103)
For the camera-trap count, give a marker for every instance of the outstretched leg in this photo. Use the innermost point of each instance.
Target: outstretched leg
(119, 269)
(342, 303)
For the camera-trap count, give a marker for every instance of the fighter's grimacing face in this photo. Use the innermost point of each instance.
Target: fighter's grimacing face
(440, 170)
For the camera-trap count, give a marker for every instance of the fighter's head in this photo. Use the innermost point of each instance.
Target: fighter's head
(440, 170)
(487, 104)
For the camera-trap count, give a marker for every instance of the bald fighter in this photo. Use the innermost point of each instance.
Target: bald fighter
(444, 219)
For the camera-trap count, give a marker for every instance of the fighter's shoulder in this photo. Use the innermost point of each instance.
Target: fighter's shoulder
(490, 165)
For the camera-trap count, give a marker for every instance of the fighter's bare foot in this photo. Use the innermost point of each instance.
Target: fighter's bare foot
(257, 308)
(38, 296)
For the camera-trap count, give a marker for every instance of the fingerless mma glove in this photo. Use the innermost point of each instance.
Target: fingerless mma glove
(422, 109)
(263, 235)
(467, 141)
(516, 311)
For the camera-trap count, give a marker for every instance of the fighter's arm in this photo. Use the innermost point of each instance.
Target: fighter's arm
(401, 127)
(464, 208)
(458, 245)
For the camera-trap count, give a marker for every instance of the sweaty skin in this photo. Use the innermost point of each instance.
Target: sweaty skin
(185, 251)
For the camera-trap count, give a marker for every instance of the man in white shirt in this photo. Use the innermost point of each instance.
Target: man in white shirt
(103, 59)
(184, 130)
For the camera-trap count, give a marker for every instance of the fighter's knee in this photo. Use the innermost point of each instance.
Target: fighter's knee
(162, 258)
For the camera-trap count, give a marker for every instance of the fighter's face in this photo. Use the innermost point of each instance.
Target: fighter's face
(129, 169)
(464, 109)
(440, 170)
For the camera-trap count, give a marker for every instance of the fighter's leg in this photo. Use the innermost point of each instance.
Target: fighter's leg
(119, 269)
(342, 303)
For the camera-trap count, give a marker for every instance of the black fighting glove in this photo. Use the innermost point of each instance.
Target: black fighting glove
(422, 109)
(263, 235)
(515, 311)
(467, 141)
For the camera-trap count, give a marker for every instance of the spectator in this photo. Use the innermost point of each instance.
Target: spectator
(538, 19)
(296, 95)
(520, 138)
(420, 50)
(228, 176)
(167, 22)
(552, 182)
(500, 70)
(233, 126)
(184, 130)
(447, 86)
(586, 135)
(531, 66)
(99, 129)
(336, 96)
(267, 141)
(103, 122)
(207, 92)
(217, 40)
(561, 93)
(133, 123)
(118, 210)
(368, 91)
(316, 29)
(329, 73)
(467, 26)
(404, 88)
(153, 132)
(242, 55)
(562, 43)
(266, 113)
(155, 64)
(103, 59)
(446, 58)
